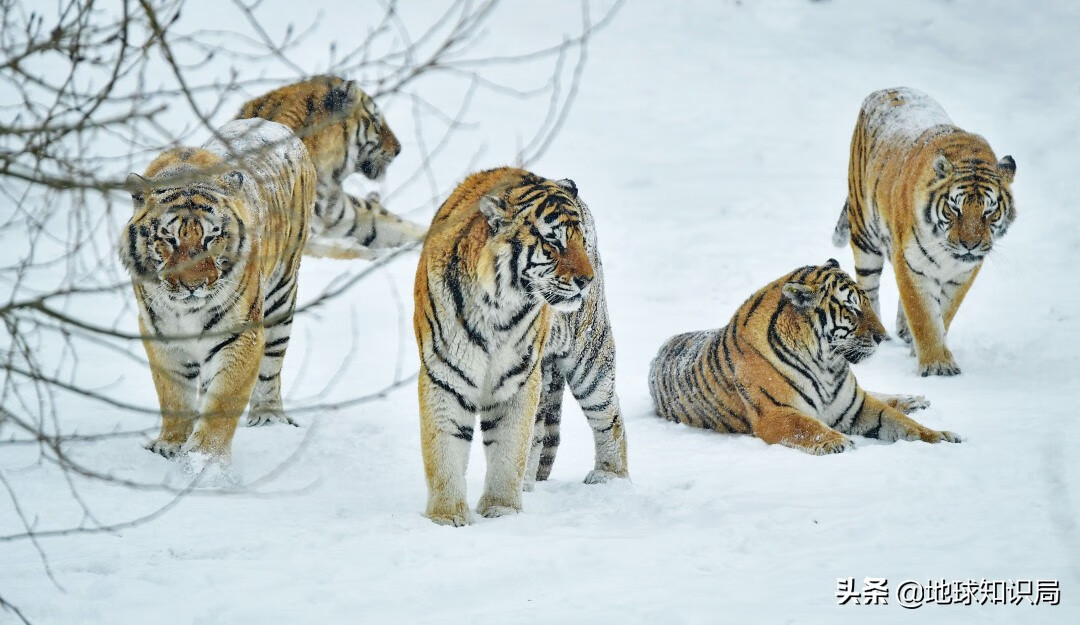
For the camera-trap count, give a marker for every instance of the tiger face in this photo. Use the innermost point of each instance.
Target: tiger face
(343, 129)
(970, 205)
(538, 226)
(373, 145)
(839, 312)
(185, 241)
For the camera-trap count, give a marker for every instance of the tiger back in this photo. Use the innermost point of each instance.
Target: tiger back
(932, 199)
(345, 133)
(213, 249)
(780, 369)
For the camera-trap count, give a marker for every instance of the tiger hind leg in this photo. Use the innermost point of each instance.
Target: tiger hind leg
(868, 267)
(842, 232)
(266, 407)
(592, 382)
(902, 329)
(545, 442)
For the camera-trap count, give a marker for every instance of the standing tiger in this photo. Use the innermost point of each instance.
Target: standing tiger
(933, 199)
(779, 369)
(509, 308)
(345, 133)
(213, 250)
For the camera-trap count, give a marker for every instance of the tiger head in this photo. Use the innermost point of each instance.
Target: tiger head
(185, 240)
(340, 125)
(969, 205)
(837, 310)
(536, 228)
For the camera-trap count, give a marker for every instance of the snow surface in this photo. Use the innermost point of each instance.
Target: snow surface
(710, 140)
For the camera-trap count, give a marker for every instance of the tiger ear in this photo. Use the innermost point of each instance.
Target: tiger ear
(1006, 168)
(569, 185)
(338, 97)
(494, 210)
(832, 262)
(942, 166)
(235, 180)
(137, 186)
(802, 295)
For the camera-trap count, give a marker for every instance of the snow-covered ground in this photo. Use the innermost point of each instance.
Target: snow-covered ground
(710, 139)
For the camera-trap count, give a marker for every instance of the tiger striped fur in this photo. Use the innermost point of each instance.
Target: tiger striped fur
(344, 132)
(932, 199)
(213, 259)
(779, 370)
(507, 293)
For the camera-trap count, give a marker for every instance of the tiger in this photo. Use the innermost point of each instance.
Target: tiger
(932, 199)
(344, 132)
(213, 249)
(780, 369)
(509, 309)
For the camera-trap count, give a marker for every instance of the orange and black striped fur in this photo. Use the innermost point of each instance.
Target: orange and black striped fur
(932, 199)
(213, 250)
(779, 370)
(344, 133)
(507, 288)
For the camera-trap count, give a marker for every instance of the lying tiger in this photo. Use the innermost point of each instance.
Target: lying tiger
(932, 199)
(779, 370)
(213, 249)
(344, 132)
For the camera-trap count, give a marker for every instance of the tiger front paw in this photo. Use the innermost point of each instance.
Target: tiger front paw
(258, 418)
(164, 448)
(943, 436)
(454, 514)
(598, 476)
(836, 445)
(943, 366)
(492, 507)
(902, 329)
(908, 404)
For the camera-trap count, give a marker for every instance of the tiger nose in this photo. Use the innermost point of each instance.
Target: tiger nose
(582, 281)
(879, 337)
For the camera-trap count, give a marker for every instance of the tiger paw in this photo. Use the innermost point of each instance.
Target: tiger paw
(833, 446)
(902, 329)
(258, 418)
(490, 507)
(946, 366)
(596, 476)
(164, 448)
(452, 513)
(943, 436)
(908, 404)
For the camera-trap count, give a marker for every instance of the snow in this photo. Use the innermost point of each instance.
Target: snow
(918, 113)
(710, 140)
